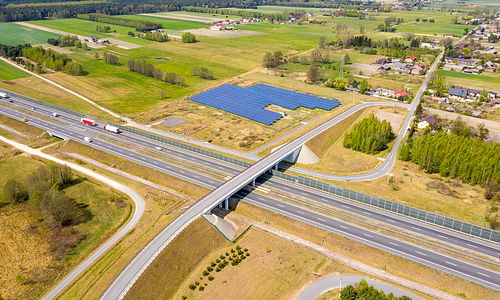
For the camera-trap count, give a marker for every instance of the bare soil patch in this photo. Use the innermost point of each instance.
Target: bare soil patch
(224, 34)
(394, 119)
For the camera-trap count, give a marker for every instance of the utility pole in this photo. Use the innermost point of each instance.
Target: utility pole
(340, 286)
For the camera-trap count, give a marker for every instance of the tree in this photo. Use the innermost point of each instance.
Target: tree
(303, 60)
(53, 171)
(438, 83)
(347, 59)
(162, 94)
(188, 37)
(314, 74)
(387, 22)
(58, 207)
(404, 153)
(415, 43)
(491, 189)
(418, 110)
(466, 31)
(458, 126)
(348, 293)
(14, 191)
(466, 52)
(322, 42)
(363, 86)
(66, 173)
(482, 132)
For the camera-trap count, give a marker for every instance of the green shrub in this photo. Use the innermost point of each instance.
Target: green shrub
(201, 289)
(210, 278)
(217, 269)
(248, 254)
(213, 264)
(246, 250)
(238, 247)
(227, 254)
(192, 286)
(209, 269)
(217, 261)
(222, 256)
(205, 273)
(232, 250)
(197, 283)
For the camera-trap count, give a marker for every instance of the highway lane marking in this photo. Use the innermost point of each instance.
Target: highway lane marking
(211, 181)
(450, 263)
(180, 171)
(471, 245)
(300, 212)
(305, 194)
(279, 205)
(321, 219)
(367, 213)
(483, 274)
(132, 154)
(167, 167)
(344, 227)
(442, 236)
(324, 200)
(368, 235)
(262, 199)
(416, 228)
(394, 244)
(422, 253)
(391, 221)
(155, 162)
(196, 176)
(285, 188)
(120, 150)
(346, 206)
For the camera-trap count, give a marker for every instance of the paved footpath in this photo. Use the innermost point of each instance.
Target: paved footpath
(319, 287)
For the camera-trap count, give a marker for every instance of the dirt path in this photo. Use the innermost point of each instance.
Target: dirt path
(348, 261)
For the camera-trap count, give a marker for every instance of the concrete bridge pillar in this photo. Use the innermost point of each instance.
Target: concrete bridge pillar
(227, 204)
(253, 182)
(276, 166)
(220, 204)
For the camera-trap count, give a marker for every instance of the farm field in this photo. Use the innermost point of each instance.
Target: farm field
(14, 34)
(82, 27)
(433, 28)
(9, 72)
(170, 24)
(484, 79)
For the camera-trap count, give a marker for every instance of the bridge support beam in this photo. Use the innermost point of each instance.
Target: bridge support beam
(220, 204)
(276, 166)
(253, 182)
(227, 203)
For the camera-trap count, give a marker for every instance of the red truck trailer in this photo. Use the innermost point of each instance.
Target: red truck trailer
(88, 121)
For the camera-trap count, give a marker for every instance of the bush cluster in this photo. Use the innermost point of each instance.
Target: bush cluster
(150, 70)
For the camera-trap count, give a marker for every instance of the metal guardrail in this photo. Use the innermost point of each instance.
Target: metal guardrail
(398, 208)
(44, 104)
(183, 146)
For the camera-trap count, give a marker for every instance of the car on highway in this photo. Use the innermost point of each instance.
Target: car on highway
(32, 108)
(11, 101)
(25, 120)
(158, 148)
(55, 114)
(87, 139)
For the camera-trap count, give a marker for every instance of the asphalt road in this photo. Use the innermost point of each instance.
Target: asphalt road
(78, 130)
(325, 284)
(430, 258)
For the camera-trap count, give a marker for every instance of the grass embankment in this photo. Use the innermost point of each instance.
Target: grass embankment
(171, 268)
(33, 264)
(334, 157)
(9, 72)
(24, 133)
(14, 34)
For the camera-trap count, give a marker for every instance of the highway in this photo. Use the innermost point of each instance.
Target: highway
(76, 132)
(292, 211)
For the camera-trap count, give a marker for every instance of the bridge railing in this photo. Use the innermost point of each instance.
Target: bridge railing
(55, 107)
(395, 207)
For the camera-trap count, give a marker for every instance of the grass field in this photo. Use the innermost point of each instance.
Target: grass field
(486, 78)
(28, 240)
(170, 24)
(82, 27)
(14, 34)
(9, 72)
(433, 28)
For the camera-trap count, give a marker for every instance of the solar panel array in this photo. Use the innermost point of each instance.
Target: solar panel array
(250, 102)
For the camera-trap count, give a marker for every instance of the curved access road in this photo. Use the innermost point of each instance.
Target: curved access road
(139, 209)
(323, 285)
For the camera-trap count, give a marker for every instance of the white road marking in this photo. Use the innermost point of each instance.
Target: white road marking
(416, 228)
(344, 227)
(120, 150)
(394, 244)
(391, 220)
(195, 176)
(321, 219)
(483, 274)
(167, 167)
(451, 263)
(305, 194)
(155, 162)
(345, 206)
(286, 188)
(367, 213)
(132, 154)
(368, 235)
(442, 236)
(262, 199)
(422, 253)
(471, 245)
(180, 171)
(300, 212)
(279, 205)
(211, 181)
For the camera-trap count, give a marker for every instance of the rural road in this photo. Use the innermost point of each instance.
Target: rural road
(323, 285)
(139, 209)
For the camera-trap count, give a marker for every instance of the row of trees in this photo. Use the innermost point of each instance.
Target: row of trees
(242, 13)
(474, 161)
(111, 59)
(53, 60)
(66, 41)
(149, 70)
(102, 28)
(202, 72)
(139, 25)
(369, 136)
(365, 292)
(156, 37)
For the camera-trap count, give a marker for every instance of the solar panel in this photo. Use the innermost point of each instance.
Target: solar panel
(250, 102)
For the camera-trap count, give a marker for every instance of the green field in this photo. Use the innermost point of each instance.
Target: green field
(8, 72)
(485, 77)
(170, 24)
(15, 34)
(82, 27)
(431, 29)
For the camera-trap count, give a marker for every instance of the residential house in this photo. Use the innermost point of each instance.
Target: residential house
(491, 66)
(401, 68)
(492, 51)
(94, 39)
(422, 124)
(451, 67)
(410, 59)
(384, 68)
(400, 94)
(431, 121)
(384, 92)
(457, 94)
(492, 95)
(417, 71)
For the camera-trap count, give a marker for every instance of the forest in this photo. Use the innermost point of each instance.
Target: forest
(155, 37)
(149, 70)
(472, 160)
(369, 136)
(139, 25)
(12, 11)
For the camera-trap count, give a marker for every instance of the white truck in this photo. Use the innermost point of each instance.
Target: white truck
(87, 139)
(4, 95)
(112, 128)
